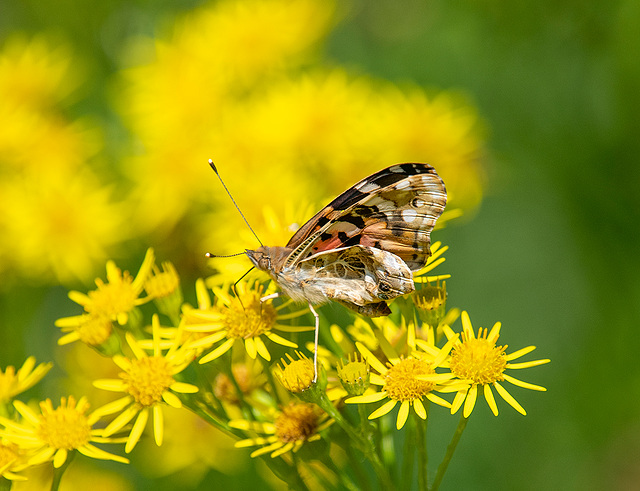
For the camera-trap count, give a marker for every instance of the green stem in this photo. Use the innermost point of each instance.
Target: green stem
(442, 468)
(59, 472)
(408, 455)
(423, 456)
(364, 444)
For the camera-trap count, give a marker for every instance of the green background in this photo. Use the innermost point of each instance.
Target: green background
(553, 251)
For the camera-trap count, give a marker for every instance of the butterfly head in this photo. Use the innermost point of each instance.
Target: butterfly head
(269, 259)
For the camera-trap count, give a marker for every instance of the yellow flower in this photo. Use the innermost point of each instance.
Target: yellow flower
(297, 375)
(241, 319)
(93, 330)
(481, 362)
(354, 375)
(12, 383)
(58, 224)
(36, 73)
(54, 433)
(294, 426)
(119, 296)
(443, 130)
(214, 58)
(148, 380)
(400, 384)
(12, 460)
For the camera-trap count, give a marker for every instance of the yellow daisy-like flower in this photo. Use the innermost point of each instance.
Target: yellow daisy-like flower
(54, 433)
(148, 380)
(12, 460)
(120, 295)
(58, 223)
(245, 319)
(294, 426)
(12, 383)
(480, 361)
(93, 330)
(399, 382)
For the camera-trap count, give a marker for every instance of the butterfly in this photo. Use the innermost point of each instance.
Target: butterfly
(360, 249)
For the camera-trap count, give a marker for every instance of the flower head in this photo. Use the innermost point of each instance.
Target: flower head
(116, 298)
(148, 380)
(354, 374)
(12, 383)
(291, 428)
(406, 381)
(55, 432)
(243, 319)
(478, 360)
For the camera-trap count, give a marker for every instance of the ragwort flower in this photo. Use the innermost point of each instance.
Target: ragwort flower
(120, 295)
(483, 363)
(245, 319)
(291, 428)
(148, 380)
(12, 383)
(53, 433)
(405, 380)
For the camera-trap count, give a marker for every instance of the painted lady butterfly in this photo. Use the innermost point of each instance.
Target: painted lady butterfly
(361, 249)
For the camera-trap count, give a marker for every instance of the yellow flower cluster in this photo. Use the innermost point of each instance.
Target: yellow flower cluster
(239, 81)
(214, 359)
(58, 219)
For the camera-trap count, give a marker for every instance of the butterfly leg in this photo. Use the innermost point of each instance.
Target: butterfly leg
(315, 345)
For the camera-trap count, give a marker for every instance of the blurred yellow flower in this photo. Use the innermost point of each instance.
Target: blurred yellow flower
(35, 73)
(291, 428)
(54, 433)
(12, 460)
(478, 360)
(119, 296)
(58, 225)
(211, 60)
(148, 380)
(12, 383)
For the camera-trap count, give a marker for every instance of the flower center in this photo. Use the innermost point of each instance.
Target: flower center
(251, 321)
(110, 299)
(400, 380)
(479, 360)
(95, 330)
(147, 379)
(297, 422)
(66, 427)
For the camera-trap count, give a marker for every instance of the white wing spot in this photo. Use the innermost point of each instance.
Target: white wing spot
(409, 215)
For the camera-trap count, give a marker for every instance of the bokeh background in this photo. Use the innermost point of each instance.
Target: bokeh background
(529, 110)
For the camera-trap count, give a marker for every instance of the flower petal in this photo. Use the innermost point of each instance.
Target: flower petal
(219, 351)
(509, 398)
(384, 409)
(488, 395)
(403, 414)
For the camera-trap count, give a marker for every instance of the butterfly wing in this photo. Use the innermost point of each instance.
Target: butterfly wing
(393, 210)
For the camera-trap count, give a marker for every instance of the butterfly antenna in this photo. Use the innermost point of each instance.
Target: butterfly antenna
(213, 166)
(209, 255)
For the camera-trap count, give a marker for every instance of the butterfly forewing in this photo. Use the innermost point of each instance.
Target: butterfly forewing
(393, 210)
